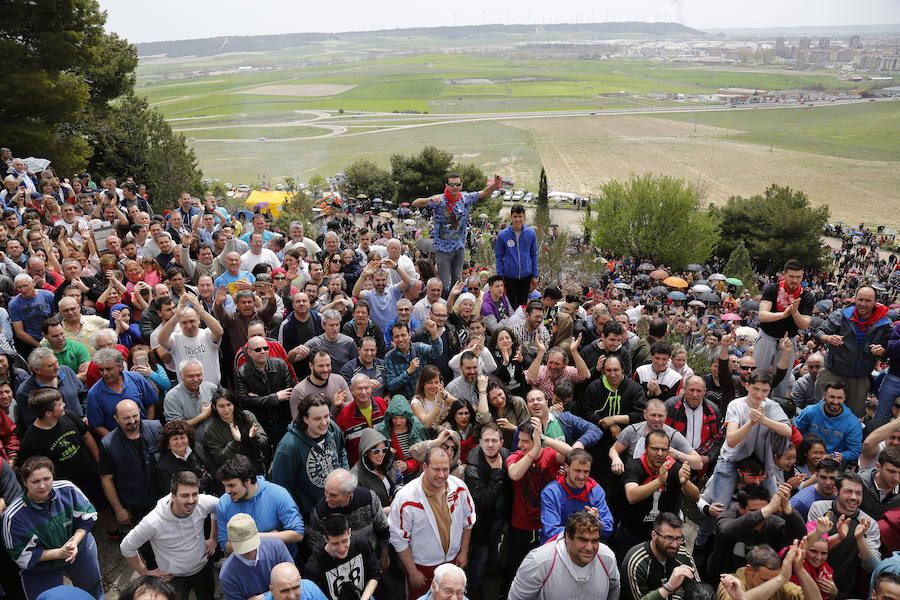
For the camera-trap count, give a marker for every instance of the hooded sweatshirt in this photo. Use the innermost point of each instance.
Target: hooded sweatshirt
(399, 407)
(853, 358)
(559, 502)
(302, 463)
(177, 542)
(386, 487)
(842, 433)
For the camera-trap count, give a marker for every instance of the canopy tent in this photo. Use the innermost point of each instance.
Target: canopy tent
(266, 201)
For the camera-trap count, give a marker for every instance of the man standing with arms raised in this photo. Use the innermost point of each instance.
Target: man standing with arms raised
(451, 216)
(784, 308)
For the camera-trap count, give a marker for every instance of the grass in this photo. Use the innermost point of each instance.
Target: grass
(252, 133)
(869, 131)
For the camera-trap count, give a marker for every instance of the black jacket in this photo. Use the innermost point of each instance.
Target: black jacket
(450, 340)
(273, 415)
(491, 489)
(735, 534)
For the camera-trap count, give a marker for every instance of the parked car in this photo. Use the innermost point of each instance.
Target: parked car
(243, 187)
(279, 187)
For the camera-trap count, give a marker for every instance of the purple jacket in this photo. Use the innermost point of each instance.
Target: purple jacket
(893, 351)
(489, 308)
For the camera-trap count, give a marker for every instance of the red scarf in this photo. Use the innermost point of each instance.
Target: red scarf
(650, 474)
(786, 298)
(451, 216)
(878, 313)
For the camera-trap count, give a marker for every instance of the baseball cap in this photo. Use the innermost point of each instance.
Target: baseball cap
(242, 533)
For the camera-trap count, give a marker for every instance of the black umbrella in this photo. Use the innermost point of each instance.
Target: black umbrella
(425, 245)
(643, 277)
(659, 290)
(750, 305)
(709, 297)
(693, 267)
(701, 282)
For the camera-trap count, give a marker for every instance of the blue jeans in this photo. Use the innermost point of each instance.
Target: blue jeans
(767, 353)
(449, 266)
(84, 573)
(887, 395)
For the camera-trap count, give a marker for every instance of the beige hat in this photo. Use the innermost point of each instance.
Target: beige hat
(242, 533)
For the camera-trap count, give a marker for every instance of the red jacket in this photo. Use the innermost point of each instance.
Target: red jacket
(353, 423)
(9, 442)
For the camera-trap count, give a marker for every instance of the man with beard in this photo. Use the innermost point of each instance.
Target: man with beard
(382, 298)
(263, 386)
(857, 534)
(784, 308)
(661, 562)
(321, 381)
(832, 421)
(236, 323)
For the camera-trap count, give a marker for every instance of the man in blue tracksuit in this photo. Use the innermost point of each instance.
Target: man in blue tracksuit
(516, 254)
(571, 493)
(834, 423)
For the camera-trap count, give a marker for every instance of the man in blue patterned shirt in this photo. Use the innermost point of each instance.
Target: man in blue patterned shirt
(451, 218)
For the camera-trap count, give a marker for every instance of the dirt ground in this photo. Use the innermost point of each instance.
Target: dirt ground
(586, 152)
(300, 89)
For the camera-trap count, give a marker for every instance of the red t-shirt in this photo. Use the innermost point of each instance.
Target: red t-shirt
(526, 508)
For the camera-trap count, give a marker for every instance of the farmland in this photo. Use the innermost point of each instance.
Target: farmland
(507, 115)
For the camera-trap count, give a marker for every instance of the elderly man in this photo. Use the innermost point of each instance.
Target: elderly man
(403, 262)
(286, 584)
(698, 420)
(191, 400)
(803, 392)
(544, 377)
(193, 342)
(27, 310)
(362, 508)
(257, 254)
(857, 337)
(438, 312)
(340, 347)
(77, 327)
(834, 423)
(575, 565)
(449, 583)
(382, 298)
(632, 438)
(48, 373)
(116, 384)
(68, 352)
(363, 413)
(174, 529)
(422, 308)
(263, 385)
(297, 238)
(128, 464)
(436, 507)
(300, 326)
(245, 573)
(234, 277)
(236, 323)
(404, 316)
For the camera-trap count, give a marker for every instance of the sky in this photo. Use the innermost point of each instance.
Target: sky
(161, 20)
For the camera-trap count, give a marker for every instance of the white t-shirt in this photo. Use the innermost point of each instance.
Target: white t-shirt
(250, 260)
(200, 347)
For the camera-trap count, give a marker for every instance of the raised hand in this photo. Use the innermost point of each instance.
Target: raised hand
(862, 528)
(664, 472)
(253, 429)
(235, 432)
(786, 344)
(431, 327)
(684, 473)
(573, 347)
(823, 524)
(482, 383)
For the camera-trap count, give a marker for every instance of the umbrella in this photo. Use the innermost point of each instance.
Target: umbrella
(831, 284)
(750, 305)
(659, 274)
(677, 296)
(731, 317)
(709, 297)
(646, 267)
(824, 305)
(623, 286)
(385, 215)
(675, 282)
(878, 287)
(643, 277)
(717, 277)
(734, 281)
(482, 216)
(425, 245)
(404, 204)
(693, 267)
(361, 197)
(699, 289)
(696, 303)
(659, 290)
(700, 282)
(377, 200)
(410, 222)
(260, 205)
(747, 333)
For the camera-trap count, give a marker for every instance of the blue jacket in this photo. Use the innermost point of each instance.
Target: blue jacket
(559, 502)
(396, 365)
(135, 477)
(575, 428)
(842, 433)
(271, 507)
(517, 260)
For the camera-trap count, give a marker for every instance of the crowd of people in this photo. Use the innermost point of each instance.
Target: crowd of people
(345, 416)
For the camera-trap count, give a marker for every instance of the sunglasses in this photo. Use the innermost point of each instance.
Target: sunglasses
(279, 278)
(454, 185)
(745, 368)
(377, 451)
(260, 349)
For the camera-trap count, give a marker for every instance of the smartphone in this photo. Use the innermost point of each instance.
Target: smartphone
(142, 361)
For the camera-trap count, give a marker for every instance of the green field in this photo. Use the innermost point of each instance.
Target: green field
(869, 131)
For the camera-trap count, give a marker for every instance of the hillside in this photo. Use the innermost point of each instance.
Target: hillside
(271, 43)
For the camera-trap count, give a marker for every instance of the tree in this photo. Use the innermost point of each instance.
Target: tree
(542, 215)
(366, 177)
(316, 186)
(739, 266)
(136, 140)
(421, 175)
(778, 225)
(653, 217)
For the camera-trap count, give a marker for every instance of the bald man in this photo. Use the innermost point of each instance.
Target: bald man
(285, 584)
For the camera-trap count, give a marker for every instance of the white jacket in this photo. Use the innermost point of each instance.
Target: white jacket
(178, 543)
(548, 573)
(413, 525)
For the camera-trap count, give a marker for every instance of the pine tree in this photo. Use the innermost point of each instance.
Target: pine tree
(738, 266)
(542, 216)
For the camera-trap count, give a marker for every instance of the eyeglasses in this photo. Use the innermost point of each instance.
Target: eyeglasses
(377, 451)
(279, 278)
(260, 349)
(670, 539)
(746, 368)
(454, 184)
(335, 260)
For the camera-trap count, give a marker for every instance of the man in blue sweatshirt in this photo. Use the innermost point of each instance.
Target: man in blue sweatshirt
(571, 493)
(833, 422)
(516, 257)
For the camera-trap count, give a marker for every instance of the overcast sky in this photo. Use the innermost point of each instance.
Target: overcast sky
(183, 19)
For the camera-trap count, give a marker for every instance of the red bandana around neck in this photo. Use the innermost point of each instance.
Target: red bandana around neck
(451, 202)
(786, 298)
(650, 474)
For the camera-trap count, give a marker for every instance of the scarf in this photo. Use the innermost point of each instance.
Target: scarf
(650, 474)
(451, 216)
(786, 298)
(862, 326)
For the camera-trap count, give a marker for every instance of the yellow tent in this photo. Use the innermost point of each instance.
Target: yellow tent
(266, 201)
